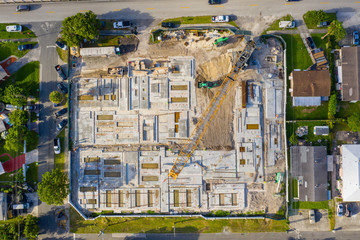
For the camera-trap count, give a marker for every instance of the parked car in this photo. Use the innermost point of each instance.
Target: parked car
(12, 107)
(211, 2)
(14, 28)
(61, 45)
(287, 24)
(20, 206)
(57, 148)
(312, 216)
(60, 72)
(167, 25)
(61, 125)
(6, 119)
(310, 42)
(61, 112)
(30, 107)
(25, 47)
(57, 104)
(221, 18)
(22, 8)
(121, 24)
(340, 210)
(323, 24)
(356, 38)
(62, 88)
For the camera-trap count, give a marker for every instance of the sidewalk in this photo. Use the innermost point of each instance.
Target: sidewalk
(19, 39)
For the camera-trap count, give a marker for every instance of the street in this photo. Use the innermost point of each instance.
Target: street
(45, 20)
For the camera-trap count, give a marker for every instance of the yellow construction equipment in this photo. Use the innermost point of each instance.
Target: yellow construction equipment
(201, 127)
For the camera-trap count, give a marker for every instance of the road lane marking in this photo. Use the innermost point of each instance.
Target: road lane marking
(50, 46)
(150, 8)
(253, 5)
(324, 2)
(116, 10)
(16, 13)
(184, 7)
(288, 3)
(83, 10)
(50, 12)
(219, 6)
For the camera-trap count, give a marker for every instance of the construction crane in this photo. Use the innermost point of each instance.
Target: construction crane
(201, 127)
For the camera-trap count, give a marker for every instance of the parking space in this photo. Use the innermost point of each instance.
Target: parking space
(300, 220)
(351, 223)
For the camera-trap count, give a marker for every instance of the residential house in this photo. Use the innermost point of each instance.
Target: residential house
(349, 74)
(309, 88)
(309, 167)
(350, 165)
(4, 74)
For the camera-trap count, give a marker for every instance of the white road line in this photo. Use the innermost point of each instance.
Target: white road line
(40, 76)
(50, 46)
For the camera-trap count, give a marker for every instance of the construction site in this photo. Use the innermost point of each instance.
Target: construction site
(188, 130)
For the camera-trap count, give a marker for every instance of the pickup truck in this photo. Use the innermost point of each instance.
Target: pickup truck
(221, 18)
(60, 72)
(122, 24)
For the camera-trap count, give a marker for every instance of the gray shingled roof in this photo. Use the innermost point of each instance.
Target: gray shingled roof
(308, 163)
(350, 73)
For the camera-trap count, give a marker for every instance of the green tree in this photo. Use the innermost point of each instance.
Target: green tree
(14, 95)
(54, 187)
(15, 139)
(336, 29)
(314, 17)
(56, 97)
(353, 122)
(332, 106)
(293, 139)
(31, 229)
(10, 230)
(19, 117)
(80, 26)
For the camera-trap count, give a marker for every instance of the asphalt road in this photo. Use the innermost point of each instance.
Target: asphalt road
(144, 9)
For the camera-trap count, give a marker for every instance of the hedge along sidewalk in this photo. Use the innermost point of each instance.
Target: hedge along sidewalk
(197, 20)
(26, 32)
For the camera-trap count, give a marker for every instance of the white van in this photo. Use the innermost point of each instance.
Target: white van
(287, 24)
(14, 28)
(20, 206)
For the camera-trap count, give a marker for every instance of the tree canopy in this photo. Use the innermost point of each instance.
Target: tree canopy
(54, 187)
(80, 26)
(19, 117)
(353, 122)
(293, 139)
(31, 229)
(15, 139)
(19, 227)
(332, 106)
(14, 95)
(314, 17)
(336, 29)
(56, 97)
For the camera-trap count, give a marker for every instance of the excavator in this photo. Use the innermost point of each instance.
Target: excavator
(205, 120)
(208, 84)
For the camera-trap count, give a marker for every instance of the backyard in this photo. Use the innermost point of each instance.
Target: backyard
(165, 225)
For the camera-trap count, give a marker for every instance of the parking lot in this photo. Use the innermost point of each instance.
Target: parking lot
(349, 223)
(300, 221)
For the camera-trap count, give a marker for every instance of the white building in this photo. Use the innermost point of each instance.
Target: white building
(351, 172)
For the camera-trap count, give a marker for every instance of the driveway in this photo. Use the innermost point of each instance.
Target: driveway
(300, 221)
(352, 223)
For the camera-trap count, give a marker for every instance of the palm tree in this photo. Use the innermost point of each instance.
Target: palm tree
(336, 29)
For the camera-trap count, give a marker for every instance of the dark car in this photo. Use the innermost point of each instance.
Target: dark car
(25, 47)
(324, 24)
(348, 210)
(211, 2)
(356, 38)
(61, 125)
(310, 42)
(61, 112)
(61, 72)
(61, 45)
(57, 104)
(62, 88)
(167, 25)
(23, 8)
(30, 107)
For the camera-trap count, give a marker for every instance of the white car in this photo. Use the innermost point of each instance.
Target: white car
(14, 28)
(340, 210)
(121, 24)
(222, 18)
(312, 216)
(57, 148)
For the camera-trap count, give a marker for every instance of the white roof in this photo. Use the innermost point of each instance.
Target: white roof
(97, 51)
(306, 101)
(351, 174)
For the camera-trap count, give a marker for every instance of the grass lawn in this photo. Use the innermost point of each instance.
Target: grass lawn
(106, 41)
(26, 33)
(60, 158)
(311, 205)
(307, 113)
(11, 48)
(7, 178)
(33, 144)
(347, 109)
(195, 20)
(165, 225)
(32, 174)
(297, 56)
(330, 17)
(294, 188)
(27, 78)
(318, 41)
(275, 25)
(2, 150)
(62, 54)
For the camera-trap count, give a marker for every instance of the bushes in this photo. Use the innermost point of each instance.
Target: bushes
(314, 17)
(56, 97)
